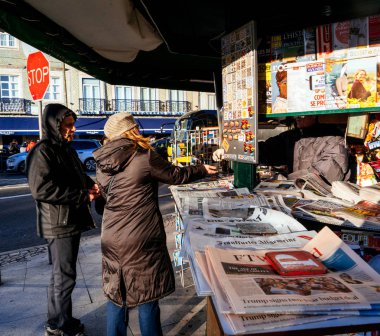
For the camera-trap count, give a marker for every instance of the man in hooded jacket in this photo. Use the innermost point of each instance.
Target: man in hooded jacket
(62, 192)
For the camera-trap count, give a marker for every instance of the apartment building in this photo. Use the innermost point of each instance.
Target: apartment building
(92, 99)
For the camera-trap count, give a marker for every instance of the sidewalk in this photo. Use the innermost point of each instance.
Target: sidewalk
(25, 276)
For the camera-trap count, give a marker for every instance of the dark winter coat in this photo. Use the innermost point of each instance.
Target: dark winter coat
(136, 263)
(58, 182)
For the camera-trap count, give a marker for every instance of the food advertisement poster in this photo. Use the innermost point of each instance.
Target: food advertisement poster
(239, 75)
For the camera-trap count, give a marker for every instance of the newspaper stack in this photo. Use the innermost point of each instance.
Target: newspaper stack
(250, 295)
(371, 193)
(364, 214)
(347, 191)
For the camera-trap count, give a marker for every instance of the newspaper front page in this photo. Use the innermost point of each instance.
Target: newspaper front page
(199, 239)
(252, 286)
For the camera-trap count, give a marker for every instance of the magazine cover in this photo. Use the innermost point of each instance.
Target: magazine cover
(358, 33)
(310, 45)
(341, 31)
(264, 88)
(361, 78)
(324, 41)
(279, 77)
(335, 82)
(374, 31)
(378, 80)
(306, 83)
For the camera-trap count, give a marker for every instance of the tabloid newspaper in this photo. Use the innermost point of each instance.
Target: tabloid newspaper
(251, 286)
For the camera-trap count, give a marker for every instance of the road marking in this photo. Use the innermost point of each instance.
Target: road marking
(15, 196)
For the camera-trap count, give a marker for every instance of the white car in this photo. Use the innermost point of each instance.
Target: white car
(84, 148)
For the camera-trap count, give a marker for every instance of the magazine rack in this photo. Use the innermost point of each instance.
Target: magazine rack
(180, 262)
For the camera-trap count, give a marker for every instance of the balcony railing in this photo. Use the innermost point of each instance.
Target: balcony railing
(15, 105)
(135, 106)
(177, 106)
(92, 106)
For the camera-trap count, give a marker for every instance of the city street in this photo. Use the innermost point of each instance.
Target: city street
(17, 213)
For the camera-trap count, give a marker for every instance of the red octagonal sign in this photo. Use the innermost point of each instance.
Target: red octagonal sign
(38, 74)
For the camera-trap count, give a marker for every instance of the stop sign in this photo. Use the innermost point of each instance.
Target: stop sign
(38, 74)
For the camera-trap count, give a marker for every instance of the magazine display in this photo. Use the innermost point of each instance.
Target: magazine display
(252, 286)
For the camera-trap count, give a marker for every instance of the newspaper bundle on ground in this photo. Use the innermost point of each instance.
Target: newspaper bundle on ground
(251, 286)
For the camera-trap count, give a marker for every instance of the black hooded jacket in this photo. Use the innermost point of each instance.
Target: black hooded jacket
(57, 181)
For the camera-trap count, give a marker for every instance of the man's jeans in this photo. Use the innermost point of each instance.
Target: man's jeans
(149, 319)
(64, 254)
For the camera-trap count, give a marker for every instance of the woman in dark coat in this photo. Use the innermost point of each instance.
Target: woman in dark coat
(136, 264)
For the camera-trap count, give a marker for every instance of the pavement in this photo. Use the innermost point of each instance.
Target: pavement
(25, 276)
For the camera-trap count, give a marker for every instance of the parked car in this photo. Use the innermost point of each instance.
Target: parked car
(84, 148)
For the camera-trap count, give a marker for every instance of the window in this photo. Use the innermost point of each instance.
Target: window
(176, 95)
(147, 97)
(211, 102)
(147, 94)
(123, 92)
(91, 88)
(7, 40)
(54, 90)
(9, 86)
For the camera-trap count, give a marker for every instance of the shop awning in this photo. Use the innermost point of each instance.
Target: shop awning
(89, 125)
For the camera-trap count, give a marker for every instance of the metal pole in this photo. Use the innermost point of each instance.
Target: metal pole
(40, 118)
(64, 83)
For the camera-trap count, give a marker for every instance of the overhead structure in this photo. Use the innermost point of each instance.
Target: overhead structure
(161, 44)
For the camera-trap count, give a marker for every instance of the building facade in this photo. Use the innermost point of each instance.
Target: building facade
(92, 99)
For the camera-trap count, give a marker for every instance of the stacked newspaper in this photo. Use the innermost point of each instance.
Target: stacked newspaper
(371, 193)
(362, 214)
(250, 295)
(346, 190)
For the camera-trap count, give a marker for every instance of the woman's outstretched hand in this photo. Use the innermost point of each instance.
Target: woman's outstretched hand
(211, 169)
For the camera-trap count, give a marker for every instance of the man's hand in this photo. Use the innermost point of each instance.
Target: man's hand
(94, 192)
(211, 169)
(218, 155)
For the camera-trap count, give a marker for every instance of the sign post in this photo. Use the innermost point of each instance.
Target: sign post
(38, 80)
